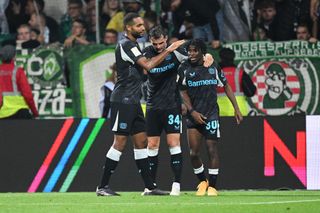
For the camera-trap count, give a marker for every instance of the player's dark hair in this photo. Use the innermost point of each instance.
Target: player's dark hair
(156, 32)
(199, 44)
(128, 19)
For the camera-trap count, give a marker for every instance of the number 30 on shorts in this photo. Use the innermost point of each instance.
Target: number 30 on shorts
(211, 125)
(173, 119)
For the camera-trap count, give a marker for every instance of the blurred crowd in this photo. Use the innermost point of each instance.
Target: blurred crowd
(215, 21)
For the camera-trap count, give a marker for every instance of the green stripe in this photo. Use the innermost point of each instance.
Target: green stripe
(75, 168)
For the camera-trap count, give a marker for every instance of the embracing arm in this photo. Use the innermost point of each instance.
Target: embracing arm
(151, 63)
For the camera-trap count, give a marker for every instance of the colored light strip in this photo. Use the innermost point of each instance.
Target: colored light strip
(52, 152)
(65, 157)
(75, 168)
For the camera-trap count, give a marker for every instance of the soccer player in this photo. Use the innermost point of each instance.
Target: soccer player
(197, 85)
(164, 104)
(126, 113)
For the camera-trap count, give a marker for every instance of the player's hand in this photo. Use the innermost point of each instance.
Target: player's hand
(238, 116)
(175, 45)
(208, 60)
(198, 117)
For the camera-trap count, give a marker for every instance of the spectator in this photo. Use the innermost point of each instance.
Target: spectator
(78, 34)
(303, 34)
(25, 39)
(24, 33)
(203, 17)
(37, 6)
(172, 18)
(150, 20)
(289, 14)
(268, 13)
(109, 9)
(74, 12)
(315, 13)
(116, 21)
(110, 37)
(16, 15)
(240, 83)
(16, 92)
(38, 21)
(235, 23)
(106, 91)
(260, 34)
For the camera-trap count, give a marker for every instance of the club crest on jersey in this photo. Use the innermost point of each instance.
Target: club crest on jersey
(192, 74)
(281, 86)
(212, 71)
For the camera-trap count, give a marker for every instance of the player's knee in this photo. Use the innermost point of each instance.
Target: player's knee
(173, 143)
(194, 154)
(153, 144)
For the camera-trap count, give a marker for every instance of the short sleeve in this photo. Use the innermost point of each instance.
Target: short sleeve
(222, 80)
(130, 52)
(181, 77)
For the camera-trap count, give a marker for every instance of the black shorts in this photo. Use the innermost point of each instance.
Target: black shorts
(127, 119)
(210, 131)
(168, 120)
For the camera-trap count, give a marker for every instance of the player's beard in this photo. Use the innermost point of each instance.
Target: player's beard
(136, 35)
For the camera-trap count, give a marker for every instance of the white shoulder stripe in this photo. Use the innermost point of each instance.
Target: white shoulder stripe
(180, 56)
(125, 56)
(220, 84)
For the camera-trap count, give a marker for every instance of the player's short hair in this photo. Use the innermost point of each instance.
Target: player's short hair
(128, 19)
(156, 32)
(199, 44)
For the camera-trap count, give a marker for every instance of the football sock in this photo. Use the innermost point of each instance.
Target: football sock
(142, 161)
(113, 157)
(213, 175)
(176, 162)
(153, 160)
(200, 173)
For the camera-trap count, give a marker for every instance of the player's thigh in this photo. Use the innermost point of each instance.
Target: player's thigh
(122, 117)
(154, 142)
(139, 122)
(154, 123)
